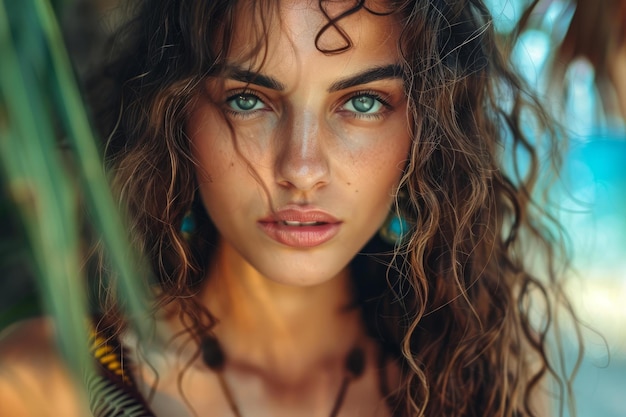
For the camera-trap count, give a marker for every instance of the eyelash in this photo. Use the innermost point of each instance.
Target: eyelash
(364, 93)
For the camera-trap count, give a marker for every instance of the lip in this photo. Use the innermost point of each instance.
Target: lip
(300, 236)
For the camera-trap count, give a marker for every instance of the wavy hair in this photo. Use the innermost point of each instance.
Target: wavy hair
(453, 303)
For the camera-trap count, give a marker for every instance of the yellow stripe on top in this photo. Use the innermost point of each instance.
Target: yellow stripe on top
(109, 357)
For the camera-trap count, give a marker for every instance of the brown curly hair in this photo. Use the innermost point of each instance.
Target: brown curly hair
(452, 303)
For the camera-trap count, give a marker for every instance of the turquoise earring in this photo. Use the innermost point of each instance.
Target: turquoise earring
(188, 225)
(395, 229)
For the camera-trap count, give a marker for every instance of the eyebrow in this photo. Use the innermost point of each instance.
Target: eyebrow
(251, 77)
(367, 76)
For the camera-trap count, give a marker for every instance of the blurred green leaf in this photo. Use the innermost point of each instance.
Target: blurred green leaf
(40, 110)
(38, 182)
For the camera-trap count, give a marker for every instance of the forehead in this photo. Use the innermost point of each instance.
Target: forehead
(282, 30)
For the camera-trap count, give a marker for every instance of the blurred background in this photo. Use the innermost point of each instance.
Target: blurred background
(574, 54)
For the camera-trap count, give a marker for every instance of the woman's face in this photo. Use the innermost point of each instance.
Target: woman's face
(318, 142)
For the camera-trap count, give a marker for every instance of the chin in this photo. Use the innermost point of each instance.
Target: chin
(305, 271)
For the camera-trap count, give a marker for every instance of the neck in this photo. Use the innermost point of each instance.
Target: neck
(267, 324)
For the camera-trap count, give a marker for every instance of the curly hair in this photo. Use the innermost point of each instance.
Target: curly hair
(452, 304)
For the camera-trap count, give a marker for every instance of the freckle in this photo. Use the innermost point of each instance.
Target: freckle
(349, 184)
(232, 164)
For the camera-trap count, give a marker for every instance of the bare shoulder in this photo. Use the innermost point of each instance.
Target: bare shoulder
(33, 378)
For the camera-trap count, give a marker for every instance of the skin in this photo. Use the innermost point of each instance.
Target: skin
(282, 318)
(306, 142)
(34, 381)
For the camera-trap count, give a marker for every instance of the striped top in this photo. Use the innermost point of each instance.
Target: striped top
(112, 390)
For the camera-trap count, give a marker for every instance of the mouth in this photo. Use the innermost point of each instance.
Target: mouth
(300, 227)
(301, 224)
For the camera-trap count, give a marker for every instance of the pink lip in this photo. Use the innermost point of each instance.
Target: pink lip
(300, 236)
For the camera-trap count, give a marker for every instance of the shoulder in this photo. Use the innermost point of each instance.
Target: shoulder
(33, 378)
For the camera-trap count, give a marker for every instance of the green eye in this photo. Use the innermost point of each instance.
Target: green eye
(245, 102)
(364, 104)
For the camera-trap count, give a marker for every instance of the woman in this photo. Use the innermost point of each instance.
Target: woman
(319, 188)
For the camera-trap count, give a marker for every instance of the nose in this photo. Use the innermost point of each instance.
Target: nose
(302, 162)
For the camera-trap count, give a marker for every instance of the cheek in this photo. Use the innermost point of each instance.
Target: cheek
(384, 163)
(399, 146)
(211, 145)
(222, 170)
(379, 173)
(221, 151)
